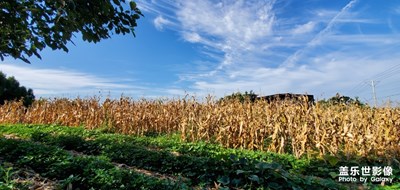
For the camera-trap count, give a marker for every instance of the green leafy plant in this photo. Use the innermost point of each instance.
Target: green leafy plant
(6, 173)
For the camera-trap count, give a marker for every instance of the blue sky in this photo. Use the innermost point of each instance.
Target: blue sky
(216, 47)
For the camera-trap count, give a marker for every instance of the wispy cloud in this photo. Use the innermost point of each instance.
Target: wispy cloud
(160, 21)
(48, 82)
(304, 28)
(397, 10)
(229, 27)
(323, 77)
(228, 21)
(317, 39)
(257, 45)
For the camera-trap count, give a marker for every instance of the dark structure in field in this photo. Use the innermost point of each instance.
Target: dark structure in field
(287, 96)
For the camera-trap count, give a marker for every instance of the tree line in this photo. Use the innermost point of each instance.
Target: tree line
(11, 90)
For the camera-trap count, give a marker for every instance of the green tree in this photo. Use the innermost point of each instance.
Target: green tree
(10, 89)
(343, 100)
(28, 26)
(242, 97)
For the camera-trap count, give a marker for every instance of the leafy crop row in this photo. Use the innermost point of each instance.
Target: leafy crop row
(198, 164)
(228, 171)
(82, 172)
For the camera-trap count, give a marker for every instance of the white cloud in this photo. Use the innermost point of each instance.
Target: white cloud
(229, 27)
(47, 82)
(238, 20)
(160, 21)
(324, 77)
(192, 37)
(305, 28)
(257, 46)
(366, 40)
(324, 13)
(357, 20)
(233, 29)
(291, 60)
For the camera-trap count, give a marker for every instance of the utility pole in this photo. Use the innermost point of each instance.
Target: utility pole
(373, 91)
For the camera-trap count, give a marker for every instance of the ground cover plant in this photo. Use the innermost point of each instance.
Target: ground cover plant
(83, 172)
(91, 158)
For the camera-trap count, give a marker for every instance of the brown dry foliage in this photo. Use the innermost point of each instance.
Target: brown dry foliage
(283, 127)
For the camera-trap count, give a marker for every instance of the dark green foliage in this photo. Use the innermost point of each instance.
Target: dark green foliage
(341, 100)
(83, 172)
(10, 89)
(27, 27)
(242, 97)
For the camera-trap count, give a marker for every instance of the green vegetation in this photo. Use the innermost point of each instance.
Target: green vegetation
(10, 89)
(28, 26)
(241, 97)
(80, 158)
(342, 100)
(6, 181)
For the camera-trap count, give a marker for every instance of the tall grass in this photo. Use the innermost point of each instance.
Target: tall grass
(283, 127)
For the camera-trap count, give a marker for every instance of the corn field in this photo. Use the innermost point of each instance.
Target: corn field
(282, 127)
